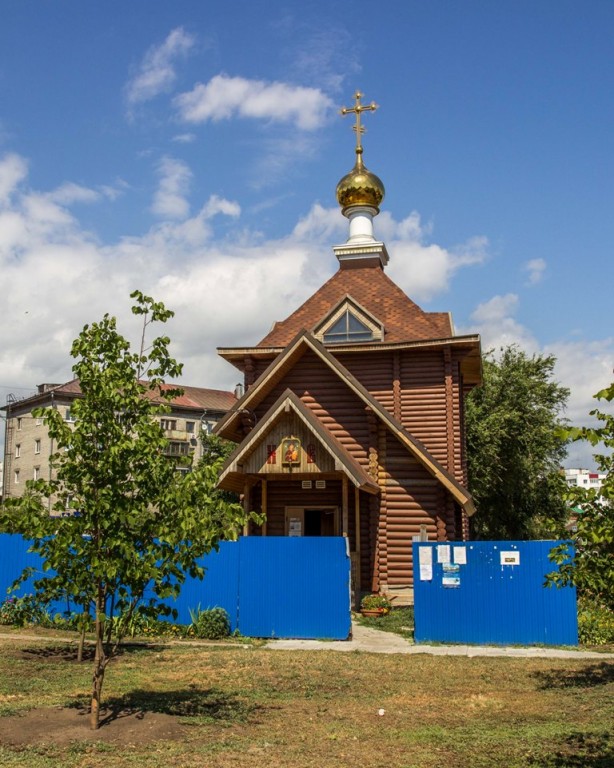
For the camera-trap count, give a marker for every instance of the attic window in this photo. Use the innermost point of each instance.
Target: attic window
(347, 328)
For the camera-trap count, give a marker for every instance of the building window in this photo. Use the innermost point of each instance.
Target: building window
(37, 473)
(17, 450)
(189, 426)
(19, 420)
(168, 424)
(39, 421)
(37, 446)
(177, 449)
(348, 328)
(68, 416)
(16, 477)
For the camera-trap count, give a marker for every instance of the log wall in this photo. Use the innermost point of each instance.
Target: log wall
(423, 389)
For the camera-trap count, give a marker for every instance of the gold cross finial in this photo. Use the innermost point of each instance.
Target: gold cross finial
(358, 109)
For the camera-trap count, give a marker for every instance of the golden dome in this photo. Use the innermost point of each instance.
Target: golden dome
(360, 187)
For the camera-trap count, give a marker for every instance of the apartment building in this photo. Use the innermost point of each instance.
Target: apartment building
(584, 478)
(28, 447)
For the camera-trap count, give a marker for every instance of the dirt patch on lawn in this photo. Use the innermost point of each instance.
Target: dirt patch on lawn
(61, 726)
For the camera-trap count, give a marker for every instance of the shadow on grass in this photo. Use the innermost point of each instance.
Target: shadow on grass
(205, 704)
(580, 750)
(587, 677)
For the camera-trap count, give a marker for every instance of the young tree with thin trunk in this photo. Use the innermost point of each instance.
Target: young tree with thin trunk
(138, 526)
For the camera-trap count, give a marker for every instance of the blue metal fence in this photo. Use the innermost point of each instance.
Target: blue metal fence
(491, 592)
(269, 586)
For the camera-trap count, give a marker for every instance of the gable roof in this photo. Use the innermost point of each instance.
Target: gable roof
(232, 479)
(371, 288)
(229, 425)
(195, 398)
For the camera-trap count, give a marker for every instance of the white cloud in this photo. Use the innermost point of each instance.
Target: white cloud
(584, 367)
(69, 193)
(217, 205)
(157, 73)
(170, 198)
(112, 192)
(184, 138)
(278, 155)
(313, 53)
(13, 170)
(535, 269)
(226, 291)
(224, 97)
(494, 320)
(321, 224)
(424, 269)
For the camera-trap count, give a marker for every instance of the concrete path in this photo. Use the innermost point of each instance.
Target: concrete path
(364, 639)
(370, 640)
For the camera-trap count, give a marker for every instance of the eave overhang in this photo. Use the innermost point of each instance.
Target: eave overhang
(471, 364)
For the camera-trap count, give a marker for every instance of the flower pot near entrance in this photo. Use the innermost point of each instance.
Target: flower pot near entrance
(375, 605)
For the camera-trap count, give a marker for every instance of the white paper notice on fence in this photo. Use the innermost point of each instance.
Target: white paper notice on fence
(460, 555)
(443, 553)
(425, 559)
(510, 558)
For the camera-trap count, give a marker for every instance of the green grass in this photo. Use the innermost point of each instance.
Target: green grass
(249, 706)
(399, 620)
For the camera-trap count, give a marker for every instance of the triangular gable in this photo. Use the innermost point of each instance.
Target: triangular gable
(229, 426)
(232, 476)
(402, 318)
(349, 305)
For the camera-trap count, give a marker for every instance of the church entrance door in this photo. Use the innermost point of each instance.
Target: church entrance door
(312, 521)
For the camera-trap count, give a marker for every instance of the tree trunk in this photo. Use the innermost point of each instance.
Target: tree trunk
(81, 644)
(100, 664)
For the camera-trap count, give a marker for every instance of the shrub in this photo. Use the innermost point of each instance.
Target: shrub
(211, 624)
(22, 611)
(595, 623)
(373, 602)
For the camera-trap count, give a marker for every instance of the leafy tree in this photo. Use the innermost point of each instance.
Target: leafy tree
(514, 446)
(215, 447)
(591, 567)
(139, 525)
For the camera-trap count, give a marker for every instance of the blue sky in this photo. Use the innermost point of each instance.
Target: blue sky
(192, 149)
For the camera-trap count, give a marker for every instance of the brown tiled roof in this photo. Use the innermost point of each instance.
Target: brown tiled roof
(403, 320)
(193, 397)
(199, 397)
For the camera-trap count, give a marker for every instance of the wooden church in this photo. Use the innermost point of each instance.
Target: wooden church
(352, 421)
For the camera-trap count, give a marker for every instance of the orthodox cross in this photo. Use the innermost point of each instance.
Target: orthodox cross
(358, 109)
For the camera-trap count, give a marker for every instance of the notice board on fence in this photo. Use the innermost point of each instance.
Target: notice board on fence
(491, 592)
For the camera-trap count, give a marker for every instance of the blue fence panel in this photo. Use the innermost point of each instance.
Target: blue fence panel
(270, 587)
(295, 587)
(14, 559)
(218, 588)
(491, 592)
